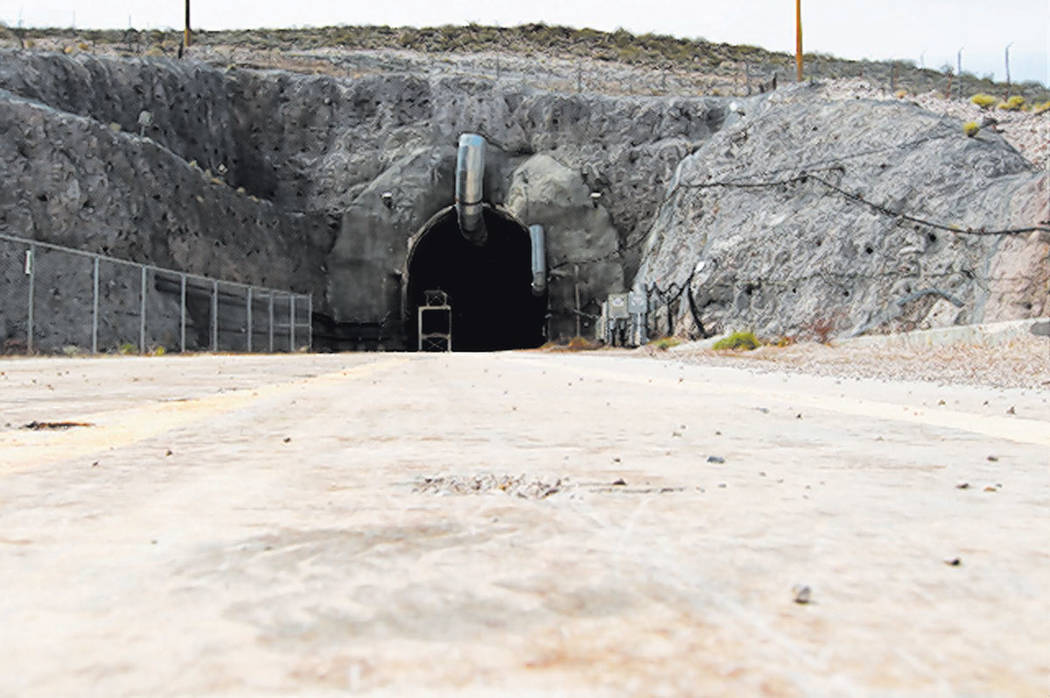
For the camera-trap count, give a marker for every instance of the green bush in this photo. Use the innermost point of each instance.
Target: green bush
(984, 101)
(971, 129)
(738, 340)
(1015, 103)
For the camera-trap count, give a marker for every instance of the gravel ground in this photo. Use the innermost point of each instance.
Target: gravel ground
(1022, 363)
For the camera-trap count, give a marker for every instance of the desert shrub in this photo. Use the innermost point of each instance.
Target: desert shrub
(1041, 108)
(901, 94)
(665, 343)
(984, 101)
(971, 129)
(1015, 103)
(738, 340)
(581, 344)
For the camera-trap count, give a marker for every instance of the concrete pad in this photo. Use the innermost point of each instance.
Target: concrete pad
(516, 524)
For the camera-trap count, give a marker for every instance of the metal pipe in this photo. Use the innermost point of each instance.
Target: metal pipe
(470, 188)
(539, 259)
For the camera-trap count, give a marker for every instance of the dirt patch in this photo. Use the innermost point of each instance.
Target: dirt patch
(55, 426)
(516, 486)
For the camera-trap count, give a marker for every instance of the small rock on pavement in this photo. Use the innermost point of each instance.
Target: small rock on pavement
(963, 486)
(716, 459)
(952, 561)
(803, 594)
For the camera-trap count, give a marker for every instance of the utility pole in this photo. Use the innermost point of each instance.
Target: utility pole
(958, 69)
(186, 33)
(1008, 69)
(798, 38)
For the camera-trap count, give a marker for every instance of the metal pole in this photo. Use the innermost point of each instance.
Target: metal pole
(576, 294)
(958, 69)
(310, 322)
(798, 38)
(182, 313)
(1008, 69)
(271, 322)
(186, 34)
(291, 322)
(214, 315)
(142, 313)
(94, 308)
(249, 308)
(31, 271)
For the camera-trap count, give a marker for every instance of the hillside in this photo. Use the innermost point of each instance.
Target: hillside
(581, 56)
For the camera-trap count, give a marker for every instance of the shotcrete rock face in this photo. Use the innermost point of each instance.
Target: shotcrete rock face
(277, 178)
(488, 286)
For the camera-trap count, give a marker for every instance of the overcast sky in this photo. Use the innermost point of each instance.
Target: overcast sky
(926, 31)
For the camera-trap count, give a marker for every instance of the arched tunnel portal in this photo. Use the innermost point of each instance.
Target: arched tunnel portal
(488, 286)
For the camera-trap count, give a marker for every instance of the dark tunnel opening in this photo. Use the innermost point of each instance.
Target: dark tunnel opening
(488, 287)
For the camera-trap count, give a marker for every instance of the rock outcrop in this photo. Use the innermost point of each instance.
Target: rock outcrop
(786, 224)
(315, 153)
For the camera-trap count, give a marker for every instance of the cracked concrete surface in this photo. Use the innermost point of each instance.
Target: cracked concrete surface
(257, 526)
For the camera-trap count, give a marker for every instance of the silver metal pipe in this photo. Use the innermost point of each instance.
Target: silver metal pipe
(470, 188)
(539, 259)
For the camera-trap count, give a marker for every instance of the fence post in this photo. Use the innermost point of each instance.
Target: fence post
(94, 308)
(182, 313)
(310, 322)
(215, 316)
(249, 309)
(30, 270)
(142, 313)
(291, 322)
(271, 322)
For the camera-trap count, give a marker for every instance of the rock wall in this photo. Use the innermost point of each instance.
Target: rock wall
(312, 154)
(782, 224)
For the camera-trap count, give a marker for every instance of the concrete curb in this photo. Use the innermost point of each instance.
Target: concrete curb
(987, 335)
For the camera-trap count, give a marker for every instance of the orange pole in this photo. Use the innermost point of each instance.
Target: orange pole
(798, 38)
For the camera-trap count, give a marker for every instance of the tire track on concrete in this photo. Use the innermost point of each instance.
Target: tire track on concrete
(22, 450)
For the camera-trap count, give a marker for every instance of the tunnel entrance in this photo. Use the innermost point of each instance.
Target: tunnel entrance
(493, 307)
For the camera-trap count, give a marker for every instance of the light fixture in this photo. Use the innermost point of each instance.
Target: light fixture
(388, 199)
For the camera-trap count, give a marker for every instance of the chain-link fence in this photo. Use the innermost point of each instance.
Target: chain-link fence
(59, 300)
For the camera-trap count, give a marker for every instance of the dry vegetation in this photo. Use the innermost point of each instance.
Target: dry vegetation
(739, 67)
